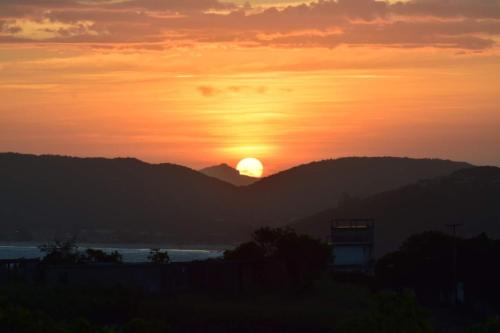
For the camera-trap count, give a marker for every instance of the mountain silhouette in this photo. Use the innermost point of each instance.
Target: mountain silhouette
(230, 175)
(57, 193)
(311, 188)
(470, 197)
(124, 199)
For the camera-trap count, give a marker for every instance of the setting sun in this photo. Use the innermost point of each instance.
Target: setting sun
(250, 167)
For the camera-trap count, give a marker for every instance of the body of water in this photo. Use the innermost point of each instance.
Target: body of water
(129, 254)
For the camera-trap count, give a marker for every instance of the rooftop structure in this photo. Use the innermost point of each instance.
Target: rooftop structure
(352, 244)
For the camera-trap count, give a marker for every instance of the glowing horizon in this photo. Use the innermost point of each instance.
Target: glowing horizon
(203, 82)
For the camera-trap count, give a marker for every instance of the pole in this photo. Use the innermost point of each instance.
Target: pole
(454, 289)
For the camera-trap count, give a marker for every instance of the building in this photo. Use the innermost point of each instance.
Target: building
(352, 243)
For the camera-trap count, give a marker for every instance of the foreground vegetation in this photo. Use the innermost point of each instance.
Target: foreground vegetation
(327, 307)
(310, 300)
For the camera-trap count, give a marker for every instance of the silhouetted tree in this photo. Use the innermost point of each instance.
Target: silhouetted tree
(99, 256)
(61, 251)
(158, 256)
(66, 252)
(305, 257)
(424, 264)
(246, 251)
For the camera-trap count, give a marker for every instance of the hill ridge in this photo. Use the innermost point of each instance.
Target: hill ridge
(169, 202)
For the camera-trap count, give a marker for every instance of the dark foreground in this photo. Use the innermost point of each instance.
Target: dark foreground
(327, 307)
(278, 282)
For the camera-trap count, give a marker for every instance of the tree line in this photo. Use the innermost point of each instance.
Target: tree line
(68, 252)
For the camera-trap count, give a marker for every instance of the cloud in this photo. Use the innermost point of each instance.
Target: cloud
(481, 9)
(176, 5)
(46, 29)
(440, 34)
(207, 91)
(459, 24)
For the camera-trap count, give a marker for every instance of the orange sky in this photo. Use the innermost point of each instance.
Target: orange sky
(200, 82)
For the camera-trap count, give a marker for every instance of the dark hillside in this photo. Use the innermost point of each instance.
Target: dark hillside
(65, 193)
(311, 188)
(470, 196)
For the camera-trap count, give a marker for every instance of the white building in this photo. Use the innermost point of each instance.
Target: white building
(352, 244)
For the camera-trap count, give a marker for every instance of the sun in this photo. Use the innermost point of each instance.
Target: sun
(250, 166)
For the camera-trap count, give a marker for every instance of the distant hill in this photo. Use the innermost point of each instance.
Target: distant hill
(470, 196)
(125, 199)
(225, 173)
(311, 188)
(65, 193)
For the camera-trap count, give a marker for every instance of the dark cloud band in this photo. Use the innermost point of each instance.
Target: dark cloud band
(462, 24)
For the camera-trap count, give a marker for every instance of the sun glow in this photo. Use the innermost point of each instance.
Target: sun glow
(250, 167)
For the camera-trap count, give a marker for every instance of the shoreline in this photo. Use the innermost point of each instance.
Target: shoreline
(132, 246)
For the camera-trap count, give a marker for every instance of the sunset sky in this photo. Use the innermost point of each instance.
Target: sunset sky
(201, 82)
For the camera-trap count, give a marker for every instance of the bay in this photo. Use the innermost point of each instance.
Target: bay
(129, 254)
